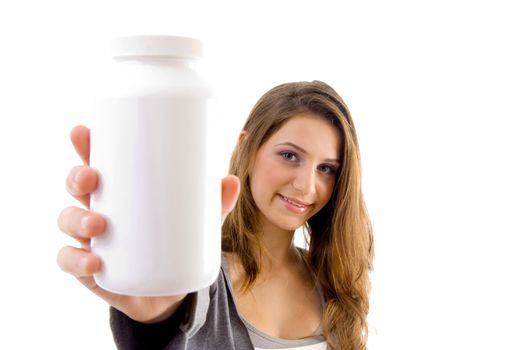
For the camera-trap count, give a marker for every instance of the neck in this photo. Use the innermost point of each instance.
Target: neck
(278, 251)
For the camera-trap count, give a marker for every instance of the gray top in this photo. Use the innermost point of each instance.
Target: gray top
(207, 319)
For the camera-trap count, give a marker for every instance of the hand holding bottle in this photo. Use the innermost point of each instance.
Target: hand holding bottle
(82, 225)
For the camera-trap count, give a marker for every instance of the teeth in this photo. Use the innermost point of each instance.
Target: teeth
(293, 203)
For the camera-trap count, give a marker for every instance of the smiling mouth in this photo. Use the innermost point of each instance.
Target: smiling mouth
(296, 204)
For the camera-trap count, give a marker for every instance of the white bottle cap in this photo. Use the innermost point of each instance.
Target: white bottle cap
(156, 45)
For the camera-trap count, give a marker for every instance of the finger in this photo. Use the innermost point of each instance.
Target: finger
(113, 299)
(80, 137)
(230, 188)
(81, 224)
(78, 262)
(83, 265)
(81, 181)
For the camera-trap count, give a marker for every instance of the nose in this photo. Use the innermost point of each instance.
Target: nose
(304, 181)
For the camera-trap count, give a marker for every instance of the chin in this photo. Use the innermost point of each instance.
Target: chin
(289, 226)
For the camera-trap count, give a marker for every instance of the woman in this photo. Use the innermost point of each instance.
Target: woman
(296, 164)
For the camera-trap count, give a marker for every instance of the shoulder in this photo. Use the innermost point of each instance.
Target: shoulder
(233, 267)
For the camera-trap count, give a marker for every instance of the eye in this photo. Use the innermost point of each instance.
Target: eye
(290, 156)
(327, 169)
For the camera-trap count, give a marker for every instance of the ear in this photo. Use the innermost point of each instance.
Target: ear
(242, 137)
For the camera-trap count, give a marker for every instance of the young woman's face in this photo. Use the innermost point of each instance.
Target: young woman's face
(295, 171)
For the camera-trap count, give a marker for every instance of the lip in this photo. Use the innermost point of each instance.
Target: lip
(296, 201)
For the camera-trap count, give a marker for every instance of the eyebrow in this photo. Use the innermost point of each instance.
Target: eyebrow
(332, 160)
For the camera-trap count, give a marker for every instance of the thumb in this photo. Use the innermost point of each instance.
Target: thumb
(230, 187)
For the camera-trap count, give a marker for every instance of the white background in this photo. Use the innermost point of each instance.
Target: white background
(437, 92)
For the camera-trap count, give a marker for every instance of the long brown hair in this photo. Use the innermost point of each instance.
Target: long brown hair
(339, 236)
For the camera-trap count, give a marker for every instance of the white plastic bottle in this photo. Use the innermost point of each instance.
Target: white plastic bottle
(149, 145)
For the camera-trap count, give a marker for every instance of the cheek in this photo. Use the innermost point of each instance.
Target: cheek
(325, 191)
(267, 176)
(269, 173)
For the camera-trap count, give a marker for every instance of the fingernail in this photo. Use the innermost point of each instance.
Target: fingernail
(76, 180)
(84, 225)
(83, 263)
